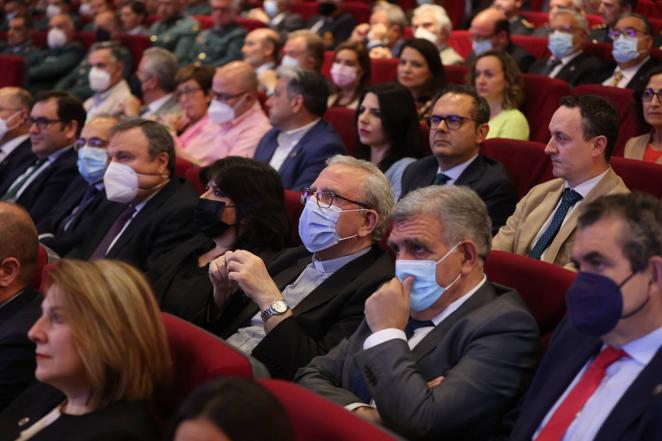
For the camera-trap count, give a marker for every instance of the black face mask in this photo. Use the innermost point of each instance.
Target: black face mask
(102, 35)
(327, 9)
(207, 217)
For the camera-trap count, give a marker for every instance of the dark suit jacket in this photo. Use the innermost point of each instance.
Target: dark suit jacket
(17, 361)
(307, 158)
(485, 350)
(328, 314)
(484, 175)
(291, 22)
(42, 194)
(122, 420)
(163, 223)
(339, 26)
(578, 71)
(15, 164)
(638, 82)
(636, 416)
(523, 58)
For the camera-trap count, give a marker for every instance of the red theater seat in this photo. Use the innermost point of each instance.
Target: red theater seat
(460, 40)
(639, 175)
(537, 18)
(359, 10)
(536, 46)
(250, 24)
(304, 9)
(294, 208)
(87, 38)
(193, 176)
(343, 120)
(181, 167)
(600, 50)
(40, 267)
(137, 44)
(384, 70)
(542, 100)
(13, 71)
(456, 73)
(327, 63)
(317, 419)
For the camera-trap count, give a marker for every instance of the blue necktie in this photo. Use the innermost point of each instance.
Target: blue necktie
(569, 197)
(440, 179)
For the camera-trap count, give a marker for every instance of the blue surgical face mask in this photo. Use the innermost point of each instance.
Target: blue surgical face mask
(317, 226)
(92, 163)
(625, 49)
(560, 44)
(480, 46)
(425, 291)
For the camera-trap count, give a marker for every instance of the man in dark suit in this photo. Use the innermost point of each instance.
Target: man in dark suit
(281, 19)
(458, 127)
(632, 49)
(442, 353)
(20, 305)
(332, 24)
(19, 37)
(70, 220)
(15, 149)
(568, 35)
(56, 120)
(511, 8)
(611, 11)
(601, 378)
(153, 210)
(490, 30)
(312, 297)
(300, 142)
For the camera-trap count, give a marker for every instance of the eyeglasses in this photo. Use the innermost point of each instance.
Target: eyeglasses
(42, 122)
(453, 122)
(628, 32)
(186, 92)
(648, 95)
(325, 199)
(225, 96)
(92, 142)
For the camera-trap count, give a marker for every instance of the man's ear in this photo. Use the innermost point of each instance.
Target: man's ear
(370, 222)
(10, 269)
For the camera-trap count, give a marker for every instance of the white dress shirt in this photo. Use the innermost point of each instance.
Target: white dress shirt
(628, 74)
(564, 61)
(8, 147)
(286, 142)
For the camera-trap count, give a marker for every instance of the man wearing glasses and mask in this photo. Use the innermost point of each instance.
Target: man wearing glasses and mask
(457, 128)
(312, 296)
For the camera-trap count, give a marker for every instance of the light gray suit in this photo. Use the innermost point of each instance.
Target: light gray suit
(486, 350)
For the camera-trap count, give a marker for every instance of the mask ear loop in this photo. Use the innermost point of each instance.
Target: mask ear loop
(348, 211)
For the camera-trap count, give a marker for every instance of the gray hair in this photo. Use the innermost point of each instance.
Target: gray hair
(314, 44)
(163, 64)
(114, 48)
(578, 16)
(459, 209)
(376, 190)
(438, 13)
(158, 136)
(394, 14)
(309, 84)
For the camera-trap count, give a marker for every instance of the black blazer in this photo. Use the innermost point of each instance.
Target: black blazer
(163, 223)
(17, 361)
(638, 82)
(328, 314)
(484, 175)
(291, 22)
(340, 27)
(42, 194)
(636, 416)
(578, 71)
(15, 164)
(122, 420)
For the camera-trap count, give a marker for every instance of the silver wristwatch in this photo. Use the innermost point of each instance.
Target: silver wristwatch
(277, 307)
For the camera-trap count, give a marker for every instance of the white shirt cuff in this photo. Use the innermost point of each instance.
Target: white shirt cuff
(384, 335)
(353, 406)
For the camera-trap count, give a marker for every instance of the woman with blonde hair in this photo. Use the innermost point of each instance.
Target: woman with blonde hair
(101, 350)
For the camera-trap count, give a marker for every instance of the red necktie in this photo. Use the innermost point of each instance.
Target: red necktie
(573, 403)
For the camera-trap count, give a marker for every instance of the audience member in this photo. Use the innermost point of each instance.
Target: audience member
(55, 122)
(331, 23)
(281, 19)
(384, 35)
(497, 78)
(69, 223)
(350, 75)
(490, 30)
(553, 7)
(231, 409)
(430, 22)
(106, 80)
(442, 352)
(222, 43)
(101, 351)
(388, 131)
(633, 41)
(303, 308)
(303, 49)
(648, 108)
(97, 7)
(133, 16)
(611, 11)
(12, 9)
(300, 141)
(154, 209)
(197, 7)
(456, 158)
(53, 8)
(600, 376)
(173, 30)
(511, 9)
(243, 208)
(19, 38)
(19, 302)
(584, 131)
(15, 147)
(420, 70)
(235, 120)
(261, 50)
(194, 95)
(47, 66)
(568, 37)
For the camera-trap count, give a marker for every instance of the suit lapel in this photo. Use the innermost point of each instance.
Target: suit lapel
(268, 148)
(472, 173)
(536, 218)
(289, 165)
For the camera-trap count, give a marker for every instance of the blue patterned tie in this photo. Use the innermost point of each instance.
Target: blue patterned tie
(569, 197)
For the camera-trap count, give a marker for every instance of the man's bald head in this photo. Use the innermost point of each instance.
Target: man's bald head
(491, 24)
(488, 17)
(238, 73)
(261, 46)
(107, 20)
(63, 22)
(19, 246)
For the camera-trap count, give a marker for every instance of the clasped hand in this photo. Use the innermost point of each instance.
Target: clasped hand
(388, 307)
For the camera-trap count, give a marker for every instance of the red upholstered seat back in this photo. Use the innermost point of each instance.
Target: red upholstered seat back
(40, 268)
(182, 166)
(136, 44)
(294, 208)
(460, 40)
(384, 70)
(639, 175)
(343, 120)
(536, 46)
(193, 176)
(456, 73)
(542, 100)
(13, 71)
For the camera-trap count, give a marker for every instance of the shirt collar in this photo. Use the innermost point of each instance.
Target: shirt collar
(333, 265)
(631, 71)
(585, 187)
(457, 303)
(265, 67)
(11, 145)
(296, 134)
(643, 349)
(568, 58)
(157, 104)
(53, 156)
(455, 172)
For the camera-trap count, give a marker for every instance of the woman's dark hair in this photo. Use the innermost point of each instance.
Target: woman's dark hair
(258, 195)
(399, 121)
(138, 8)
(513, 93)
(203, 74)
(242, 409)
(637, 102)
(363, 58)
(431, 54)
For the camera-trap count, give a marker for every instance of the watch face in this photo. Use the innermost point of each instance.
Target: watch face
(279, 306)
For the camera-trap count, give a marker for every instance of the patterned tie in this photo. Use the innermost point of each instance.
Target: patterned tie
(117, 226)
(549, 67)
(569, 197)
(441, 179)
(10, 194)
(618, 76)
(571, 406)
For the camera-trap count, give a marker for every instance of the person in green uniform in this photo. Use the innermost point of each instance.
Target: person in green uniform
(174, 31)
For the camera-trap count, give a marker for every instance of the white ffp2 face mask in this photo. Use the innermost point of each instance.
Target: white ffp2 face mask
(4, 125)
(121, 182)
(99, 79)
(56, 38)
